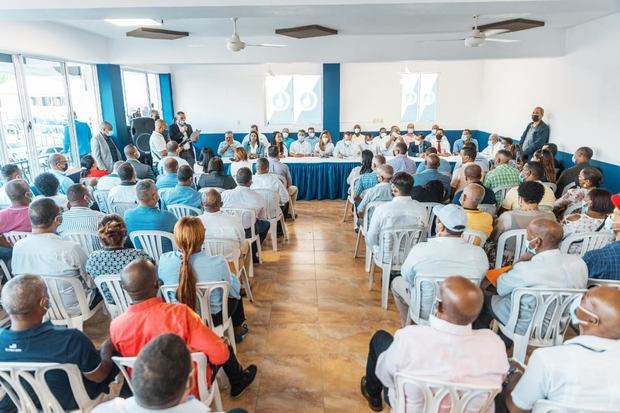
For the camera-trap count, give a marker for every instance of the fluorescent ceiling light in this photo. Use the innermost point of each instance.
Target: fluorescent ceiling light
(134, 22)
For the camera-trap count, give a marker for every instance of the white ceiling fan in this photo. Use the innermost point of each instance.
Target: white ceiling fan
(477, 37)
(235, 44)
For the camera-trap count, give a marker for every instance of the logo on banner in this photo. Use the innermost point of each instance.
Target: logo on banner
(308, 101)
(281, 101)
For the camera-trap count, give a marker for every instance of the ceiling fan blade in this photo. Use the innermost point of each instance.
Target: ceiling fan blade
(494, 32)
(494, 39)
(439, 40)
(266, 45)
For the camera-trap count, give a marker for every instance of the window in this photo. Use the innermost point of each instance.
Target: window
(142, 94)
(85, 102)
(293, 99)
(418, 97)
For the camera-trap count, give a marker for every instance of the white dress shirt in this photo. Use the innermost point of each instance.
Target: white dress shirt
(328, 150)
(220, 225)
(162, 162)
(123, 193)
(372, 146)
(300, 147)
(235, 166)
(400, 212)
(105, 183)
(350, 150)
(120, 405)
(445, 145)
(272, 183)
(385, 149)
(157, 143)
(491, 150)
(244, 197)
(581, 372)
(446, 352)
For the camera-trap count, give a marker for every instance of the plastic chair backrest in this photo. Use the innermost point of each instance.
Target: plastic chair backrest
(112, 283)
(501, 191)
(89, 241)
(488, 208)
(203, 298)
(519, 236)
(101, 197)
(588, 241)
(58, 313)
(217, 188)
(551, 185)
(151, 242)
(395, 243)
(228, 248)
(180, 210)
(272, 202)
(575, 207)
(14, 376)
(475, 237)
(435, 395)
(13, 236)
(4, 271)
(547, 406)
(369, 210)
(351, 190)
(430, 213)
(570, 185)
(119, 208)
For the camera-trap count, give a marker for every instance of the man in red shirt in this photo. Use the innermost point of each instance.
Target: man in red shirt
(149, 317)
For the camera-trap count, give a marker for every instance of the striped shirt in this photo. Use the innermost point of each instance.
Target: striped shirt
(604, 263)
(80, 219)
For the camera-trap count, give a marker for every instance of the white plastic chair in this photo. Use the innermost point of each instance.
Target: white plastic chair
(111, 283)
(207, 394)
(551, 185)
(475, 237)
(394, 246)
(519, 236)
(180, 210)
(488, 208)
(588, 241)
(13, 376)
(599, 282)
(430, 213)
(571, 185)
(119, 208)
(89, 241)
(575, 207)
(151, 242)
(547, 406)
(217, 188)
(550, 317)
(254, 239)
(13, 236)
(350, 199)
(203, 300)
(500, 193)
(363, 229)
(4, 271)
(462, 397)
(230, 250)
(419, 307)
(58, 313)
(274, 215)
(101, 197)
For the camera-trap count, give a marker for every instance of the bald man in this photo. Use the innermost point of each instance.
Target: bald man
(582, 372)
(477, 220)
(30, 339)
(169, 177)
(173, 151)
(380, 192)
(542, 266)
(148, 317)
(438, 350)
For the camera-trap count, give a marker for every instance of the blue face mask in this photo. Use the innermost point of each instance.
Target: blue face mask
(584, 207)
(529, 248)
(609, 223)
(521, 177)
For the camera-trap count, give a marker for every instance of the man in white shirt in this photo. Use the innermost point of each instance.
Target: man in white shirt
(446, 254)
(542, 266)
(401, 211)
(157, 141)
(220, 225)
(243, 197)
(126, 190)
(370, 143)
(494, 146)
(173, 149)
(105, 183)
(261, 137)
(446, 350)
(300, 147)
(346, 148)
(440, 142)
(582, 372)
(79, 217)
(281, 169)
(264, 180)
(389, 142)
(46, 254)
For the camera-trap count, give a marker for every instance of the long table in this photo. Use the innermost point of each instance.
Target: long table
(322, 178)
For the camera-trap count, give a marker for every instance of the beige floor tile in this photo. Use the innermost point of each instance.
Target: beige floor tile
(294, 338)
(296, 311)
(346, 402)
(345, 337)
(294, 290)
(305, 402)
(338, 310)
(291, 373)
(342, 371)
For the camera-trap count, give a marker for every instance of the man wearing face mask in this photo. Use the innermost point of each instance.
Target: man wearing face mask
(103, 148)
(346, 148)
(410, 136)
(182, 133)
(418, 146)
(300, 147)
(582, 372)
(157, 141)
(440, 142)
(358, 137)
(541, 266)
(464, 139)
(58, 166)
(287, 138)
(370, 143)
(536, 133)
(432, 133)
(604, 263)
(312, 138)
(532, 172)
(389, 143)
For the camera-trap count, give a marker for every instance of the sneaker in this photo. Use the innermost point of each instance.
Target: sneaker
(374, 402)
(249, 375)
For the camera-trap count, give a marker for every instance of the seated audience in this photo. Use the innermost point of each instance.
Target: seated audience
(300, 147)
(149, 317)
(431, 173)
(281, 169)
(436, 351)
(47, 184)
(545, 157)
(401, 211)
(581, 371)
(543, 265)
(79, 217)
(59, 165)
(46, 254)
(240, 161)
(368, 176)
(370, 143)
(114, 255)
(346, 148)
(191, 265)
(174, 150)
(147, 216)
(8, 172)
(504, 173)
(32, 340)
(169, 178)
(126, 190)
(288, 138)
(473, 175)
(90, 165)
(468, 155)
(401, 162)
(445, 254)
(366, 167)
(183, 193)
(604, 263)
(418, 146)
(215, 176)
(278, 141)
(493, 147)
(380, 192)
(464, 140)
(265, 180)
(432, 191)
(532, 172)
(226, 148)
(324, 148)
(444, 166)
(15, 217)
(253, 147)
(581, 159)
(477, 220)
(589, 178)
(596, 207)
(387, 144)
(105, 183)
(143, 171)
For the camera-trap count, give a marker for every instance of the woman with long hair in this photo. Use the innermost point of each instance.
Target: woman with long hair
(324, 148)
(545, 157)
(278, 140)
(365, 168)
(215, 176)
(254, 147)
(589, 179)
(190, 265)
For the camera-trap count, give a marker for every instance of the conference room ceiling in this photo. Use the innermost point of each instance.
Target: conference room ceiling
(367, 29)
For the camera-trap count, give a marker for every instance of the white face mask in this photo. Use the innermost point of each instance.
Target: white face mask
(434, 131)
(464, 136)
(382, 134)
(324, 139)
(409, 130)
(301, 138)
(347, 143)
(357, 131)
(107, 133)
(285, 135)
(311, 134)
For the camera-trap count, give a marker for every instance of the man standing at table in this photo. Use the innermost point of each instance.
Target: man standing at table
(182, 133)
(536, 133)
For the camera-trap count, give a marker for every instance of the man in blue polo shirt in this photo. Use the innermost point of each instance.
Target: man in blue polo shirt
(30, 339)
(182, 193)
(147, 216)
(169, 179)
(58, 166)
(431, 173)
(444, 165)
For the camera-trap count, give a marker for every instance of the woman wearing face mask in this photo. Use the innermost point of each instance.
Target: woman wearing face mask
(325, 147)
(596, 207)
(278, 140)
(358, 136)
(589, 178)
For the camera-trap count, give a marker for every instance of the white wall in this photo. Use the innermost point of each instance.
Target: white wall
(580, 91)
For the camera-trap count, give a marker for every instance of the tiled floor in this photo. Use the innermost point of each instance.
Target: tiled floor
(312, 318)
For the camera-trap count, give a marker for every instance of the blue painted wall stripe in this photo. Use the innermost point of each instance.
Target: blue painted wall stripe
(167, 105)
(113, 103)
(331, 99)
